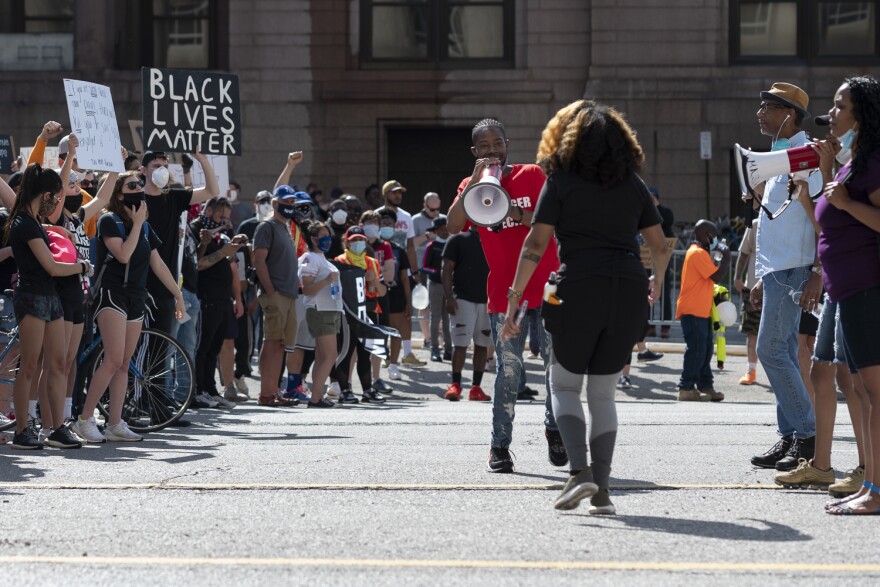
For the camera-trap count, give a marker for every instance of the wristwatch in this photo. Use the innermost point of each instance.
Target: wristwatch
(512, 293)
(817, 269)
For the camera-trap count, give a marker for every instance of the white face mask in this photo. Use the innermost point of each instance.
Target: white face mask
(371, 231)
(233, 195)
(160, 177)
(264, 210)
(340, 216)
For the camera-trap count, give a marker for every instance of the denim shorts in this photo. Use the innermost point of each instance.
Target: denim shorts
(830, 346)
(860, 315)
(44, 307)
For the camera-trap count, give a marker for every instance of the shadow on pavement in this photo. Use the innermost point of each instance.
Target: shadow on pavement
(771, 532)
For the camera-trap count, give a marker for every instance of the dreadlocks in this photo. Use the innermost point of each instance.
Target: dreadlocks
(483, 125)
(864, 91)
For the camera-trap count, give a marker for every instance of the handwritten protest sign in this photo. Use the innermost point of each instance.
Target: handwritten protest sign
(197, 174)
(188, 109)
(93, 120)
(7, 154)
(50, 157)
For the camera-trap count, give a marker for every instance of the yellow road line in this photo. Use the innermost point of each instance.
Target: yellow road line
(371, 486)
(799, 568)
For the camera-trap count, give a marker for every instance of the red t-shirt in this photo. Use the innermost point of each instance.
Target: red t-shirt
(503, 248)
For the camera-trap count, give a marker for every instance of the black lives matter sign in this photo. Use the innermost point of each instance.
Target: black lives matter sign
(188, 109)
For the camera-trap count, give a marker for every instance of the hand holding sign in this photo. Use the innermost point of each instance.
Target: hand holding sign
(93, 119)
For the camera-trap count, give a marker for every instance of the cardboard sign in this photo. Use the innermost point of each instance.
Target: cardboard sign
(7, 154)
(221, 171)
(188, 109)
(93, 121)
(50, 157)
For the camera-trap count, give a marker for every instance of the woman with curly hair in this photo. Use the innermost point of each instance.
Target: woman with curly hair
(596, 204)
(849, 214)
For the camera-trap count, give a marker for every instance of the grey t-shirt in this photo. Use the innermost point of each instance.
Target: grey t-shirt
(281, 260)
(421, 225)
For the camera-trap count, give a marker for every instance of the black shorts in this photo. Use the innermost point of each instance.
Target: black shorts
(72, 302)
(809, 324)
(396, 300)
(44, 307)
(132, 307)
(861, 322)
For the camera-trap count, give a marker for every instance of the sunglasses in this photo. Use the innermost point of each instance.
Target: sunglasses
(304, 208)
(134, 184)
(433, 209)
(87, 183)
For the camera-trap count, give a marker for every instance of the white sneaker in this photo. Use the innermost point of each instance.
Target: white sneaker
(203, 399)
(88, 431)
(121, 433)
(44, 434)
(394, 372)
(334, 390)
(232, 394)
(241, 386)
(222, 402)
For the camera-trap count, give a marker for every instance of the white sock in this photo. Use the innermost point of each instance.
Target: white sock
(753, 366)
(68, 407)
(407, 348)
(32, 409)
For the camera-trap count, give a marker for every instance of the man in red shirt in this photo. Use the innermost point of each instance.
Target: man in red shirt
(501, 245)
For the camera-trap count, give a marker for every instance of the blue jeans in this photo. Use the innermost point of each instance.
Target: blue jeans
(697, 369)
(510, 375)
(187, 334)
(777, 350)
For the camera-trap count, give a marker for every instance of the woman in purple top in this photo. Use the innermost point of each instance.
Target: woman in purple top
(849, 214)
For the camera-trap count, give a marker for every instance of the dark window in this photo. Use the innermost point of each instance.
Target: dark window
(810, 31)
(437, 33)
(36, 35)
(177, 34)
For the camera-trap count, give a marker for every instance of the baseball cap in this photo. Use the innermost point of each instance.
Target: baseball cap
(303, 198)
(283, 192)
(392, 185)
(63, 149)
(354, 233)
(263, 196)
(439, 221)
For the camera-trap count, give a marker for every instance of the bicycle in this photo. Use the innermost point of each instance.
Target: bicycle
(160, 380)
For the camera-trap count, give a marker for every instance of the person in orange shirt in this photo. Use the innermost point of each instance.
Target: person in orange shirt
(703, 267)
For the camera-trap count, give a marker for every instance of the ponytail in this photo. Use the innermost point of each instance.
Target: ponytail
(35, 182)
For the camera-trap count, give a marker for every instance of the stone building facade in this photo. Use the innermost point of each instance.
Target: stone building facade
(314, 78)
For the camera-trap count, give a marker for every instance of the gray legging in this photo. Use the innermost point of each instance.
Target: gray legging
(565, 388)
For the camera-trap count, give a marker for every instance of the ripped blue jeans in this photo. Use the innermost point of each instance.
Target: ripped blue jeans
(510, 376)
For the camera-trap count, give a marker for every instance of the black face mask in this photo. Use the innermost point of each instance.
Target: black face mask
(73, 203)
(133, 200)
(288, 212)
(93, 191)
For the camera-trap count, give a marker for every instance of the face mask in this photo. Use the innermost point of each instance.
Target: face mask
(287, 211)
(324, 243)
(325, 206)
(340, 216)
(73, 203)
(209, 223)
(371, 231)
(264, 210)
(386, 232)
(439, 240)
(844, 156)
(781, 145)
(160, 177)
(846, 141)
(92, 192)
(47, 206)
(233, 195)
(133, 200)
(358, 247)
(714, 243)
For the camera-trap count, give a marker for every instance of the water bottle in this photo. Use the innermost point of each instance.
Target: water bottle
(334, 290)
(550, 290)
(796, 295)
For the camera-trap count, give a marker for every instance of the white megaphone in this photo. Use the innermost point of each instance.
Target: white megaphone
(485, 202)
(752, 169)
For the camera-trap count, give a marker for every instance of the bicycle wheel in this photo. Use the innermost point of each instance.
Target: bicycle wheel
(9, 364)
(160, 383)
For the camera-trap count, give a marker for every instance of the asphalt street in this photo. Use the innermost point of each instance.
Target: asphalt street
(399, 494)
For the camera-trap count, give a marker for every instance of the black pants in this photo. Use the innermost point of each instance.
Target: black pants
(215, 323)
(343, 365)
(244, 345)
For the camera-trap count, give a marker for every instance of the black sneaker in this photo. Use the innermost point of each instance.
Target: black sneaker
(63, 438)
(436, 357)
(769, 459)
(447, 355)
(801, 448)
(648, 355)
(526, 394)
(555, 448)
(500, 461)
(27, 439)
(347, 397)
(324, 403)
(372, 396)
(381, 386)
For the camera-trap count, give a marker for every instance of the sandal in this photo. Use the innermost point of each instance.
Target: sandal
(273, 401)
